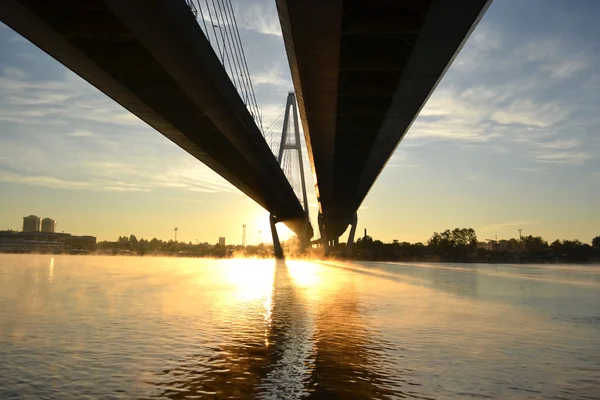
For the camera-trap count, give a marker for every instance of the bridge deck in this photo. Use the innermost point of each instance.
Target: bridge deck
(152, 58)
(362, 70)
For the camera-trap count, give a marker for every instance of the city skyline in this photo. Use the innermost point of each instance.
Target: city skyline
(506, 142)
(221, 239)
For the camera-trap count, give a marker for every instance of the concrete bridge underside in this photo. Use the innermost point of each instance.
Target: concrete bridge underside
(362, 71)
(151, 57)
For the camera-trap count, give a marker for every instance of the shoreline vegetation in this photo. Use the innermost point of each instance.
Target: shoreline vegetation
(457, 245)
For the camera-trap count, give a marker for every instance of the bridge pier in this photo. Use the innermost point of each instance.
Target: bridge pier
(305, 238)
(323, 233)
(278, 250)
(350, 243)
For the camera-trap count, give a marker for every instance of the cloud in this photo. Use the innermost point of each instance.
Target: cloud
(80, 133)
(273, 76)
(540, 50)
(261, 18)
(400, 165)
(560, 151)
(272, 113)
(14, 73)
(561, 144)
(531, 113)
(512, 98)
(484, 40)
(565, 68)
(528, 169)
(508, 224)
(554, 56)
(562, 157)
(45, 120)
(58, 183)
(55, 102)
(126, 176)
(184, 175)
(18, 39)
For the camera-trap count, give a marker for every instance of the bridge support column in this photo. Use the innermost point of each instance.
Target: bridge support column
(305, 239)
(350, 243)
(276, 243)
(324, 239)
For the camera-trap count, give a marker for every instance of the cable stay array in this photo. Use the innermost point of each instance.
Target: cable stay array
(283, 137)
(217, 20)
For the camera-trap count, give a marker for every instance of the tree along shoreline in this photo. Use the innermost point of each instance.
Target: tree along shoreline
(461, 245)
(457, 245)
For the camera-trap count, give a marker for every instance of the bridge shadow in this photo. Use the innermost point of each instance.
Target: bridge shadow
(327, 351)
(460, 280)
(351, 360)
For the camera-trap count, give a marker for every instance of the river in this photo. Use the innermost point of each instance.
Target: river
(75, 327)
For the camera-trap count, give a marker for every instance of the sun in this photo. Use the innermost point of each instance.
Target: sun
(260, 230)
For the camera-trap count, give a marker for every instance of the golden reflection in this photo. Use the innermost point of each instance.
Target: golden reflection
(305, 337)
(251, 279)
(305, 273)
(268, 304)
(250, 359)
(51, 270)
(347, 359)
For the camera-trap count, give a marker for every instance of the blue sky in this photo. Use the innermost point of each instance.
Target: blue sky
(509, 140)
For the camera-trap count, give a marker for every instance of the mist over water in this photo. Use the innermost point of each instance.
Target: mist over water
(141, 327)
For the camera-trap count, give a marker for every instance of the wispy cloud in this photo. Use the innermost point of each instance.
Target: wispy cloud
(58, 183)
(101, 146)
(561, 144)
(273, 76)
(528, 169)
(80, 133)
(549, 55)
(261, 18)
(508, 224)
(401, 165)
(562, 157)
(528, 112)
(513, 98)
(13, 73)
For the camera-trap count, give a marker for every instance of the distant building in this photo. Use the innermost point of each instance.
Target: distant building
(31, 223)
(80, 242)
(48, 225)
(25, 242)
(222, 241)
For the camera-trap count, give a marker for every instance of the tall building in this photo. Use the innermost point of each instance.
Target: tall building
(48, 225)
(31, 223)
(222, 241)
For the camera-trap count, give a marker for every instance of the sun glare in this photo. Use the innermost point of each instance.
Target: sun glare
(304, 273)
(260, 230)
(251, 279)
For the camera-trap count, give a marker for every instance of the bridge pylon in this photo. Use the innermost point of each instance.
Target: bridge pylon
(290, 142)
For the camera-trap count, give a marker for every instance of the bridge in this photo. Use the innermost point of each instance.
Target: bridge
(361, 70)
(153, 58)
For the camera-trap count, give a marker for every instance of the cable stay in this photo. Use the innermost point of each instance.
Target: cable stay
(217, 20)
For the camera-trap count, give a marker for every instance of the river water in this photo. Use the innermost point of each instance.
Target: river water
(75, 327)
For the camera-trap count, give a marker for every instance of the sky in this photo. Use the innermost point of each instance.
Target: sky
(509, 140)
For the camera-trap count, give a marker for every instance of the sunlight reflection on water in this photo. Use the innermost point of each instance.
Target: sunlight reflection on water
(123, 327)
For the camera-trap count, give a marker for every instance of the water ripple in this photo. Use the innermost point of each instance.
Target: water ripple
(109, 327)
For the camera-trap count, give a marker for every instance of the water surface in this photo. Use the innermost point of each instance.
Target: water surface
(73, 327)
